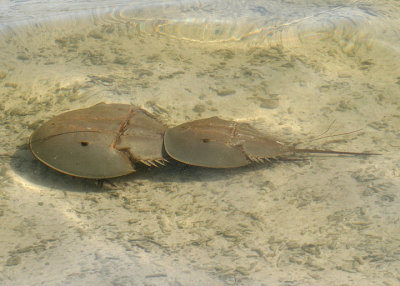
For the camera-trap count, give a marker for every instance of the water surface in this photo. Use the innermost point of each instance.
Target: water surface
(288, 69)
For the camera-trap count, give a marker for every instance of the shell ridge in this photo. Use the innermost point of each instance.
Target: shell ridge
(63, 133)
(122, 128)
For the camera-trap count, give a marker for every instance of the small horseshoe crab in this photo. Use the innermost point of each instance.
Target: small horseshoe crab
(109, 140)
(99, 142)
(218, 143)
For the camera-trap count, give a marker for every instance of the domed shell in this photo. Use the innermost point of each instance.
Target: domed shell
(102, 141)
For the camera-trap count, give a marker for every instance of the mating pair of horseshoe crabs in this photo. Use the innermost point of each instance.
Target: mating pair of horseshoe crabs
(110, 140)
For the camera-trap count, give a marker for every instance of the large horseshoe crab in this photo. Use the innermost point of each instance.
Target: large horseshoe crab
(110, 140)
(99, 142)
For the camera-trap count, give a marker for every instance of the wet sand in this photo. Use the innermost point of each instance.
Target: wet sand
(328, 220)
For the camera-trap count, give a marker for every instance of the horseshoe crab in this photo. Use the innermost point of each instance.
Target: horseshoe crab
(99, 142)
(109, 140)
(218, 143)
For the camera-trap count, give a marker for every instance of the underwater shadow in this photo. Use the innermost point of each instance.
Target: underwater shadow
(27, 168)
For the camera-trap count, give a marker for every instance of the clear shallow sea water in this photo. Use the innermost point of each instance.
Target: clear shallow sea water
(289, 69)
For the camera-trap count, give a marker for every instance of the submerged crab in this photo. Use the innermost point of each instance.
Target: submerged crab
(102, 141)
(109, 140)
(217, 143)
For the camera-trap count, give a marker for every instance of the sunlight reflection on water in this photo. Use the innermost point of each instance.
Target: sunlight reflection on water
(288, 69)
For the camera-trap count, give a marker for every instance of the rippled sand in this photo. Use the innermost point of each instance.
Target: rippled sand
(329, 220)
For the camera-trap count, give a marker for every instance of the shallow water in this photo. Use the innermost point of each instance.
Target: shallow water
(289, 69)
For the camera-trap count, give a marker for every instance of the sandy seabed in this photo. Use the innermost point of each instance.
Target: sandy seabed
(329, 220)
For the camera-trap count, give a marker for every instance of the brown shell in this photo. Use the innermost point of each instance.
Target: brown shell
(102, 141)
(218, 143)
